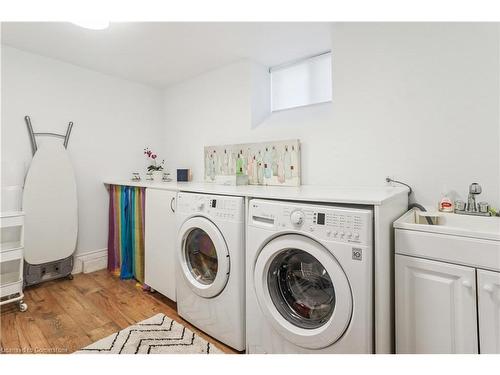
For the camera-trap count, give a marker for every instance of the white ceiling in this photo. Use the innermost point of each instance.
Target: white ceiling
(163, 53)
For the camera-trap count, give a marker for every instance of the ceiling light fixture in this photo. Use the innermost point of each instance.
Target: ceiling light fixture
(92, 24)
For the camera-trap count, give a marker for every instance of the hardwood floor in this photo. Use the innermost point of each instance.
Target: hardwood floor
(66, 315)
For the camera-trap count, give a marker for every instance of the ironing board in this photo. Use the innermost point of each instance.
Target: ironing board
(51, 221)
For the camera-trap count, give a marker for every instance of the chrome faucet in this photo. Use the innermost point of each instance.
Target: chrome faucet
(472, 208)
(474, 189)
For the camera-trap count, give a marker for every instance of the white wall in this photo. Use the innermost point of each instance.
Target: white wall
(213, 108)
(418, 102)
(113, 121)
(428, 94)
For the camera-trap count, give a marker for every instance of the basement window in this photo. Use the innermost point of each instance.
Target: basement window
(302, 82)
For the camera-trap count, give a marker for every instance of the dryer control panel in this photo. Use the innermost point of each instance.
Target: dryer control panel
(342, 224)
(217, 207)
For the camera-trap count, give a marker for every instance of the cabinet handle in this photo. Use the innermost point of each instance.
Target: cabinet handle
(467, 284)
(488, 288)
(172, 204)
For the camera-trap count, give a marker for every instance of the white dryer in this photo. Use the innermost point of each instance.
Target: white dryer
(309, 278)
(210, 276)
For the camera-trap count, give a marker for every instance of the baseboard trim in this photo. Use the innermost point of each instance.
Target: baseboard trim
(90, 261)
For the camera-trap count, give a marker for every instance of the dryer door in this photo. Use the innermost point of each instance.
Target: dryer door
(203, 257)
(303, 291)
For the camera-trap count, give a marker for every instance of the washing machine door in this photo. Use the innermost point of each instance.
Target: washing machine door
(303, 291)
(203, 257)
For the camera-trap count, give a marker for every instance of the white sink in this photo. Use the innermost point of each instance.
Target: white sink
(487, 228)
(461, 239)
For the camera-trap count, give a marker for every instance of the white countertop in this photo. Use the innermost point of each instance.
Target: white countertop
(311, 193)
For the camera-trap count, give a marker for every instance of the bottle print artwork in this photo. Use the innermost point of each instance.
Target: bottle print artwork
(269, 163)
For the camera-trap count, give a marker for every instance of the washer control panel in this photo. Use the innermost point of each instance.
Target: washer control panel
(349, 225)
(216, 206)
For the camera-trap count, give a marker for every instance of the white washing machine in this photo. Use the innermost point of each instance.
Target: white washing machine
(309, 278)
(210, 276)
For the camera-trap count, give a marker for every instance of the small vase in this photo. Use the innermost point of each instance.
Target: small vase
(157, 176)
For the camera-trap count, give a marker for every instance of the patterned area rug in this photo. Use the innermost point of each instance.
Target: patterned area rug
(156, 335)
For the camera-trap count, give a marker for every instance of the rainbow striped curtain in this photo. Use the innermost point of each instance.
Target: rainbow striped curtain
(126, 232)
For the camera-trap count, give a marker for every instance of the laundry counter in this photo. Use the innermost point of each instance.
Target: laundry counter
(388, 203)
(374, 196)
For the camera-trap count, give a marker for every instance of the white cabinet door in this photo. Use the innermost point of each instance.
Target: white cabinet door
(489, 311)
(435, 307)
(160, 238)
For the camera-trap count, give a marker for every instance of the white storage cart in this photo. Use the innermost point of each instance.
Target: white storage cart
(11, 258)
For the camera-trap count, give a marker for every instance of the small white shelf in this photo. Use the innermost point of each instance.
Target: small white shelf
(11, 228)
(11, 258)
(8, 246)
(9, 278)
(11, 219)
(12, 254)
(12, 290)
(6, 214)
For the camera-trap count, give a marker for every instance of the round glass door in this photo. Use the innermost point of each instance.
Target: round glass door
(301, 289)
(203, 257)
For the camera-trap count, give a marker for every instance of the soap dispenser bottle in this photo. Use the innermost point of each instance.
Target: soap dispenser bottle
(446, 203)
